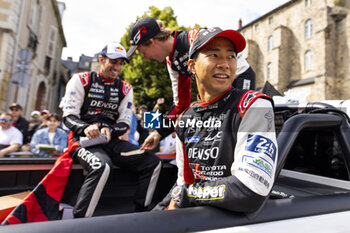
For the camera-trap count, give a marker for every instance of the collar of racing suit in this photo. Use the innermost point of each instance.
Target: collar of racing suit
(174, 34)
(216, 103)
(99, 74)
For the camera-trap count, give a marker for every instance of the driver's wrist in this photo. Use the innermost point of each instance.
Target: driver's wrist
(156, 135)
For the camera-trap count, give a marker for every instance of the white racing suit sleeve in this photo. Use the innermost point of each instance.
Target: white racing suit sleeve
(72, 103)
(253, 169)
(125, 108)
(242, 64)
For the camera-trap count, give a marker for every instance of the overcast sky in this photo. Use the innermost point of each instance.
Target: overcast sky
(90, 24)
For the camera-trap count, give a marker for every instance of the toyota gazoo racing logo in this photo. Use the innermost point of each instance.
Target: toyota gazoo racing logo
(207, 193)
(138, 35)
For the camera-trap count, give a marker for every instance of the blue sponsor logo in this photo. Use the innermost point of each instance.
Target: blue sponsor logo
(96, 96)
(129, 105)
(192, 139)
(260, 144)
(151, 120)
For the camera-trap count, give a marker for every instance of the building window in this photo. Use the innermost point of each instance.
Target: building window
(256, 27)
(308, 28)
(268, 71)
(269, 44)
(307, 3)
(308, 60)
(271, 20)
(32, 41)
(47, 65)
(52, 42)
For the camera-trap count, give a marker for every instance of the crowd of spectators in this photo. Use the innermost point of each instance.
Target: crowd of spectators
(42, 136)
(49, 140)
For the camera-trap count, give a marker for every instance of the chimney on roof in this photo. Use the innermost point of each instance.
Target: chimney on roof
(240, 23)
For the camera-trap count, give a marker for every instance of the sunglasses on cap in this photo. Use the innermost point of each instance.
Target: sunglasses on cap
(4, 120)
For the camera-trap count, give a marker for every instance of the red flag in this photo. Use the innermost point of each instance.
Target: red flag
(43, 202)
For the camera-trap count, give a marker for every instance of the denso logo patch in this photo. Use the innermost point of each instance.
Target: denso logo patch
(207, 193)
(101, 104)
(90, 158)
(204, 154)
(260, 144)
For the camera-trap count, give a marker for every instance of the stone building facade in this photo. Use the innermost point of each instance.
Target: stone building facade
(33, 27)
(302, 49)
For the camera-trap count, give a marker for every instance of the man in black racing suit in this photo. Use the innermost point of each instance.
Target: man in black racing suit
(100, 103)
(226, 149)
(149, 37)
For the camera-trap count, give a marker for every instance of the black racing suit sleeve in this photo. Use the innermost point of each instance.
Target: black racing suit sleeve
(75, 124)
(164, 132)
(118, 129)
(165, 202)
(232, 195)
(78, 126)
(169, 121)
(249, 74)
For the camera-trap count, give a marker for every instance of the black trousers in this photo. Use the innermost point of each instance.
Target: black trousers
(98, 161)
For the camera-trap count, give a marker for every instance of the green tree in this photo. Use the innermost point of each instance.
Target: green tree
(150, 79)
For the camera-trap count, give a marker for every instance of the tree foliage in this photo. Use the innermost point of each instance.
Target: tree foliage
(150, 79)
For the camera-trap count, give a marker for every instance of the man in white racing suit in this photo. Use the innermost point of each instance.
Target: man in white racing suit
(226, 149)
(98, 104)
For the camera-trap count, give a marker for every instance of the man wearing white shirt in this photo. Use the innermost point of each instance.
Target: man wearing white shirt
(10, 137)
(168, 144)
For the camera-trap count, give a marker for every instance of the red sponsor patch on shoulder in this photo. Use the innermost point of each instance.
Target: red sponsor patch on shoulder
(247, 99)
(84, 78)
(126, 88)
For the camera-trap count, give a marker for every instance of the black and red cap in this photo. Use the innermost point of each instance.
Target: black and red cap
(208, 34)
(141, 31)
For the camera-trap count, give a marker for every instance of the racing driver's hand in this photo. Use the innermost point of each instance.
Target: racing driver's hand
(106, 131)
(151, 141)
(92, 131)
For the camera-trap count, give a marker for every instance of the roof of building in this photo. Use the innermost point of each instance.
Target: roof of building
(268, 13)
(82, 62)
(70, 65)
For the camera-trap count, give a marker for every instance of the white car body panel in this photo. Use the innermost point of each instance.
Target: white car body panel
(326, 223)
